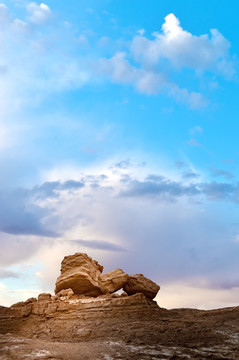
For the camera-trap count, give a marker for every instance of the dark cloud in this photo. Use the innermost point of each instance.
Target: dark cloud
(226, 284)
(19, 216)
(123, 164)
(156, 178)
(220, 191)
(125, 178)
(52, 188)
(8, 274)
(98, 244)
(158, 188)
(221, 172)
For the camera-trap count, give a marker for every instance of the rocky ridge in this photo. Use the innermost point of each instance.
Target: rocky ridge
(73, 325)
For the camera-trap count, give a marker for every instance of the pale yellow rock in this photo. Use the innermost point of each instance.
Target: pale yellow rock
(66, 293)
(140, 284)
(81, 274)
(112, 281)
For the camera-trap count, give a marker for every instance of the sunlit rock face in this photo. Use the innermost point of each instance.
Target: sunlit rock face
(80, 273)
(84, 276)
(140, 284)
(70, 325)
(112, 281)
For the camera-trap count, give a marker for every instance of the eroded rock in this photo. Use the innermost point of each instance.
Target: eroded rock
(44, 297)
(140, 284)
(66, 293)
(112, 281)
(81, 274)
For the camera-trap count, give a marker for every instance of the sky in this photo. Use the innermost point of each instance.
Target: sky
(119, 138)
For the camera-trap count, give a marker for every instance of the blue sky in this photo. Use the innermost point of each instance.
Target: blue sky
(119, 138)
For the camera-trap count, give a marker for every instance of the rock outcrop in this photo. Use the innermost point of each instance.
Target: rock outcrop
(112, 281)
(71, 326)
(81, 274)
(140, 284)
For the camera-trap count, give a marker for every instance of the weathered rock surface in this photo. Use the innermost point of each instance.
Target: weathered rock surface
(112, 281)
(140, 284)
(117, 327)
(69, 326)
(79, 273)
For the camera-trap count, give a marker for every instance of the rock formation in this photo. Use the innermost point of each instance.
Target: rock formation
(81, 274)
(140, 284)
(112, 281)
(84, 276)
(72, 325)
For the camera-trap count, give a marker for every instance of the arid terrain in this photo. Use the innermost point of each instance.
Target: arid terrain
(124, 329)
(107, 325)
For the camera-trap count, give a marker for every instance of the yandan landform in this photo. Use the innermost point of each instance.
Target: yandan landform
(88, 319)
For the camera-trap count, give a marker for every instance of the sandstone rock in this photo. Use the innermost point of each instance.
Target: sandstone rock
(66, 293)
(44, 297)
(80, 273)
(140, 284)
(112, 281)
(31, 300)
(17, 305)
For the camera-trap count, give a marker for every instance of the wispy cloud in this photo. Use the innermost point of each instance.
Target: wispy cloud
(52, 61)
(194, 142)
(39, 14)
(97, 244)
(196, 130)
(8, 274)
(220, 172)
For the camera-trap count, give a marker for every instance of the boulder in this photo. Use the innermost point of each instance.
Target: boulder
(81, 274)
(140, 284)
(112, 281)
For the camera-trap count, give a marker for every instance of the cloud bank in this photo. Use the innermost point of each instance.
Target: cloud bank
(163, 232)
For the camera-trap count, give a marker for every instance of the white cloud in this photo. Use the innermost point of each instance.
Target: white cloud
(182, 49)
(193, 99)
(41, 64)
(119, 70)
(141, 32)
(148, 64)
(39, 14)
(33, 64)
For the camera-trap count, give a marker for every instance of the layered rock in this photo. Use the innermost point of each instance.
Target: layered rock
(140, 284)
(112, 281)
(81, 274)
(72, 326)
